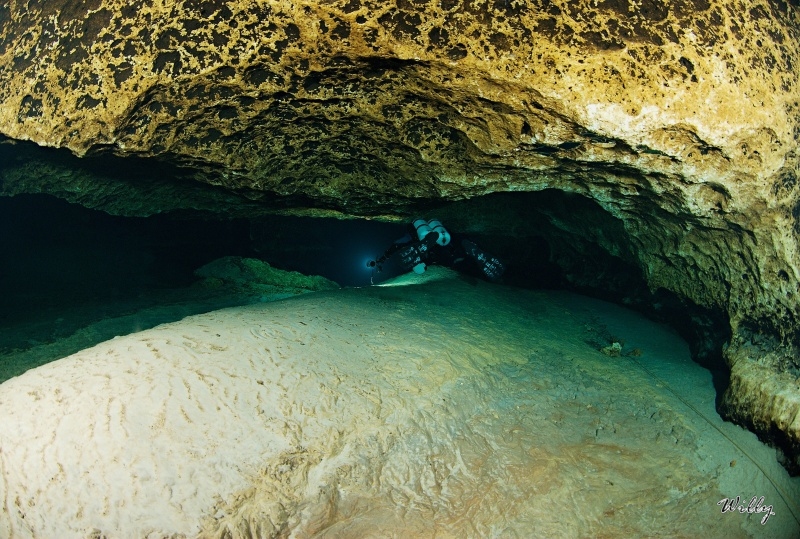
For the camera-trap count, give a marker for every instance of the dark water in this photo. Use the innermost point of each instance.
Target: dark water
(54, 254)
(336, 249)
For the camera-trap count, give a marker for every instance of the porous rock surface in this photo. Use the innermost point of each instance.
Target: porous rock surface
(680, 119)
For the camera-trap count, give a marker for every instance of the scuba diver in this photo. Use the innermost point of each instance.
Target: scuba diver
(429, 242)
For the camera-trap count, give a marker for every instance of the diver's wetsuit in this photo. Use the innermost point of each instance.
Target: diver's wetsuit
(409, 253)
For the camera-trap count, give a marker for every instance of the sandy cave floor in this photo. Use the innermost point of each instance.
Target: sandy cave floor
(435, 407)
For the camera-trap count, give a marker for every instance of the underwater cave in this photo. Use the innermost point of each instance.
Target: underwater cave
(60, 256)
(75, 277)
(221, 314)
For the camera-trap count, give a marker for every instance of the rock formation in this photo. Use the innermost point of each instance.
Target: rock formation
(680, 120)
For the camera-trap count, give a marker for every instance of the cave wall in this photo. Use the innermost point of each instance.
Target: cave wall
(680, 119)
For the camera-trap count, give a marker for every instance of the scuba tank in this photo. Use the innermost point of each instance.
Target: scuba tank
(444, 235)
(424, 228)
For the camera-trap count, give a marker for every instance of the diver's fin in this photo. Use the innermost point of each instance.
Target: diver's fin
(489, 265)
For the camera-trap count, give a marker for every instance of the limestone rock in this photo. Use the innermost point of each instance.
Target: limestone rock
(255, 274)
(680, 120)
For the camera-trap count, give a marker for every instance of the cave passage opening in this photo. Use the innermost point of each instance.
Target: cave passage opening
(157, 224)
(67, 268)
(60, 258)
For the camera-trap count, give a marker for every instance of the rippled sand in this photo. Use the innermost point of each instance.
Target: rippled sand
(436, 407)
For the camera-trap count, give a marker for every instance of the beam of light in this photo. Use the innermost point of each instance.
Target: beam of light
(433, 273)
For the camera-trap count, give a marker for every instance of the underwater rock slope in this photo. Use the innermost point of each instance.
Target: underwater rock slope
(680, 119)
(416, 412)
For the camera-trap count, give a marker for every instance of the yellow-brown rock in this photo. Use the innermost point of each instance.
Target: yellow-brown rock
(680, 119)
